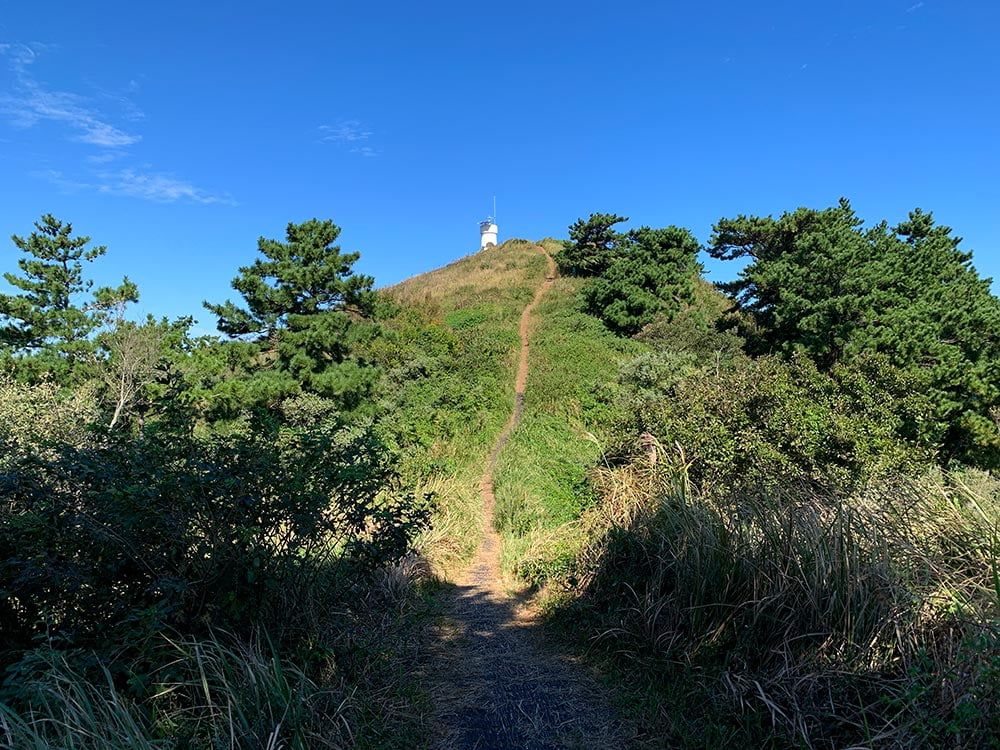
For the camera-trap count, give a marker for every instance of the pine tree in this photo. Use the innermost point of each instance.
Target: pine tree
(592, 246)
(652, 274)
(47, 327)
(818, 282)
(307, 310)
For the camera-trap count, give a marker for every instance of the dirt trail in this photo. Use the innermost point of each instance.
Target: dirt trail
(497, 684)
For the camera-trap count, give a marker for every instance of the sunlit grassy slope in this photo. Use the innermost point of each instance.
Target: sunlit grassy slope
(541, 486)
(453, 408)
(540, 477)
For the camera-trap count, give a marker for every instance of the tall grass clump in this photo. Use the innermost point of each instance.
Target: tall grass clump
(795, 616)
(216, 692)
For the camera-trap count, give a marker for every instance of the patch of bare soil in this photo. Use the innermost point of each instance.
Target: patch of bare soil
(496, 681)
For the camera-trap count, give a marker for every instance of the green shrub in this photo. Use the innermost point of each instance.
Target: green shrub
(102, 546)
(770, 421)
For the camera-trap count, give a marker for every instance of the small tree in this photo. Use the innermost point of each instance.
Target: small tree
(47, 325)
(306, 310)
(592, 245)
(134, 352)
(653, 274)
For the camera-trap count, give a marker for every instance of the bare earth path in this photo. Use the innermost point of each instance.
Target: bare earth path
(496, 683)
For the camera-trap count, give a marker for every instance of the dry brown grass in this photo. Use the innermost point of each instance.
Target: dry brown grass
(507, 274)
(871, 620)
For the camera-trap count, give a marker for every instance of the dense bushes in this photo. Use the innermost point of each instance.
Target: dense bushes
(185, 521)
(770, 421)
(106, 544)
(820, 283)
(114, 546)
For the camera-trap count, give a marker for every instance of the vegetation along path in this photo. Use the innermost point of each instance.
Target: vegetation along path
(496, 683)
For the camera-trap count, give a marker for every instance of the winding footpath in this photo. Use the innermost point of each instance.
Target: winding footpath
(497, 684)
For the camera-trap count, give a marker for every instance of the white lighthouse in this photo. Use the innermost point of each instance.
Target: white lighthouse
(488, 229)
(487, 233)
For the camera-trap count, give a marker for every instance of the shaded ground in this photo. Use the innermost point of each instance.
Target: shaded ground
(496, 682)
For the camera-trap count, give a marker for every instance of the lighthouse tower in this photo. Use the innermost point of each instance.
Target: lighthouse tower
(488, 229)
(487, 233)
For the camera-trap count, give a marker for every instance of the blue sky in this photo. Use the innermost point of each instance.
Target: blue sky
(177, 133)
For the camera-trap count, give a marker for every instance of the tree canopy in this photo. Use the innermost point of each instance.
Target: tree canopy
(49, 323)
(306, 309)
(820, 283)
(652, 275)
(592, 246)
(639, 274)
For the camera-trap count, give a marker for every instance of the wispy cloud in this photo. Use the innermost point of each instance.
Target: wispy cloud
(345, 131)
(31, 102)
(158, 188)
(104, 157)
(351, 134)
(915, 6)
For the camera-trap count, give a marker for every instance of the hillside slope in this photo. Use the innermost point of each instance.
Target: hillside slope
(451, 352)
(475, 304)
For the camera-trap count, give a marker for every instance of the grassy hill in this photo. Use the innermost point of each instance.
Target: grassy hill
(475, 303)
(451, 349)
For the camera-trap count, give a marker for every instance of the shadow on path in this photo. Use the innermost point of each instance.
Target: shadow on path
(502, 686)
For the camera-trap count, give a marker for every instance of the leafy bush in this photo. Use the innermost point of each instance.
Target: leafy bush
(104, 545)
(769, 421)
(35, 416)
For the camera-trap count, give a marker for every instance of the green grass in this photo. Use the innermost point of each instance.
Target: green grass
(451, 414)
(541, 477)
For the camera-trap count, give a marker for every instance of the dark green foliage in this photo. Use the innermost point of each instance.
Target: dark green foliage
(106, 545)
(307, 311)
(693, 332)
(592, 246)
(640, 274)
(819, 283)
(768, 421)
(801, 289)
(652, 274)
(47, 326)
